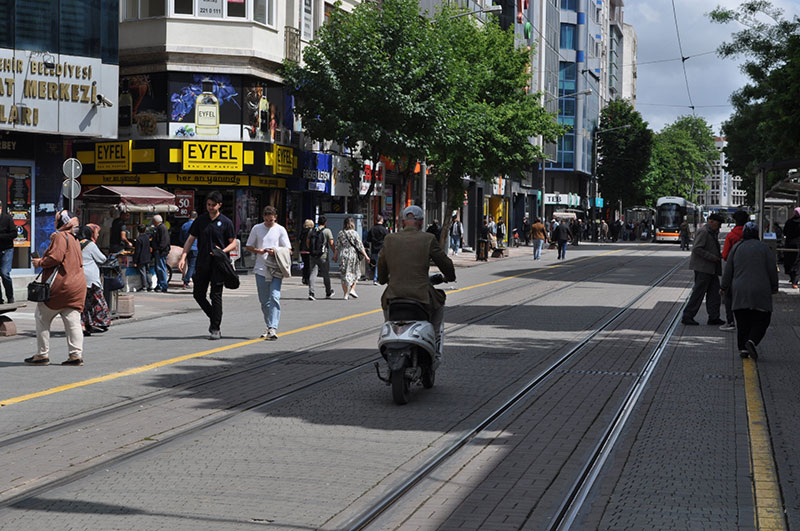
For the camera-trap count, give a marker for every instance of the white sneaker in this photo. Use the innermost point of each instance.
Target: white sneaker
(312, 298)
(272, 334)
(728, 327)
(265, 335)
(346, 297)
(374, 282)
(354, 294)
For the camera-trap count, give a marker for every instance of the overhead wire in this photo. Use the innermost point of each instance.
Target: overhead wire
(683, 57)
(669, 60)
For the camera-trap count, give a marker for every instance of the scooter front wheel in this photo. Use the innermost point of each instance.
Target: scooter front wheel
(401, 387)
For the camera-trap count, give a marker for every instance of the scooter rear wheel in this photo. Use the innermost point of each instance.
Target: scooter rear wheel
(401, 387)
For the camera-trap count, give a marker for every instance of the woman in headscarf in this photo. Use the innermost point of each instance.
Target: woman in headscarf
(348, 247)
(96, 316)
(791, 259)
(752, 277)
(63, 263)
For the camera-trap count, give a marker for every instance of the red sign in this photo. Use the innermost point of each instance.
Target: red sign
(185, 201)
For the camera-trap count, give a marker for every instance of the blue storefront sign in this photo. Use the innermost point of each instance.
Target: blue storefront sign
(598, 202)
(317, 171)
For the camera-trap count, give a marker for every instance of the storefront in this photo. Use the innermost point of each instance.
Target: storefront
(250, 175)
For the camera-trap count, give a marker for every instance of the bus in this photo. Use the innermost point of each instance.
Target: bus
(670, 213)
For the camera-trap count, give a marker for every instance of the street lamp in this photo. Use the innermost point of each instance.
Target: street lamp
(593, 184)
(485, 10)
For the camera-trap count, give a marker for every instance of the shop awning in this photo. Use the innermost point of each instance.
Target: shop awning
(133, 198)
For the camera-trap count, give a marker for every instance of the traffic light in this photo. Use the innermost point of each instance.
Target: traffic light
(508, 14)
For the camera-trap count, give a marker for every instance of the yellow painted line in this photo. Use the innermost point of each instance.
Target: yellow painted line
(766, 490)
(172, 361)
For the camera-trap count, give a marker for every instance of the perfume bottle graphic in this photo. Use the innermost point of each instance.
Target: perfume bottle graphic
(206, 111)
(125, 117)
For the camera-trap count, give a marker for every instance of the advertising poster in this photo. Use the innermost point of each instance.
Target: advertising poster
(19, 204)
(184, 199)
(207, 106)
(265, 114)
(143, 106)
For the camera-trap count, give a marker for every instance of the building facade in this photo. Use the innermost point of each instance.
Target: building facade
(629, 59)
(58, 83)
(724, 190)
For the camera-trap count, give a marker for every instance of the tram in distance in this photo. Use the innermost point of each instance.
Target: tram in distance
(670, 213)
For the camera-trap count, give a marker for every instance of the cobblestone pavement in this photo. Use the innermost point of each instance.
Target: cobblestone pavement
(320, 455)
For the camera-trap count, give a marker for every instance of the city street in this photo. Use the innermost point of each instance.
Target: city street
(162, 429)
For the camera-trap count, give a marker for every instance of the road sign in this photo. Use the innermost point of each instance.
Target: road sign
(70, 188)
(72, 168)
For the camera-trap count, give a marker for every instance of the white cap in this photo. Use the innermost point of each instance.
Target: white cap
(413, 211)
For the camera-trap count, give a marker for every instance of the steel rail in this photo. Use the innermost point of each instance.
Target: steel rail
(247, 405)
(366, 517)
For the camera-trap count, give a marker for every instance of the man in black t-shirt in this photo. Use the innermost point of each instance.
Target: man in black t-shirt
(119, 234)
(212, 230)
(375, 238)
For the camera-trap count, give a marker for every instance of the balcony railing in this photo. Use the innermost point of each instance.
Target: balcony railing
(292, 44)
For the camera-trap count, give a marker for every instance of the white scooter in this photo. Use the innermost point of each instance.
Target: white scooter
(408, 344)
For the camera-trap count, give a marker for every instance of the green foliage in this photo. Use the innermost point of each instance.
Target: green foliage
(681, 156)
(623, 154)
(765, 124)
(490, 116)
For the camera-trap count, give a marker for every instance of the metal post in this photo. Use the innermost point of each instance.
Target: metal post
(593, 187)
(424, 168)
(71, 199)
(544, 165)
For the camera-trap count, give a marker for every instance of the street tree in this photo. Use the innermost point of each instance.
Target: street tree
(490, 115)
(765, 124)
(681, 156)
(623, 154)
(373, 81)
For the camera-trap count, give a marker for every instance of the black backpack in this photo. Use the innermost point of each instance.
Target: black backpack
(316, 242)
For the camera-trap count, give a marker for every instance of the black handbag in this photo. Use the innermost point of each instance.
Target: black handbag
(40, 291)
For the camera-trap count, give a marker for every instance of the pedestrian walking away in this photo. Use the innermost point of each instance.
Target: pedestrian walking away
(539, 237)
(141, 257)
(62, 266)
(562, 235)
(191, 258)
(213, 231)
(684, 234)
(375, 238)
(752, 277)
(740, 217)
(320, 248)
(95, 317)
(8, 233)
(348, 251)
(706, 262)
(308, 225)
(791, 259)
(269, 241)
(160, 245)
(526, 231)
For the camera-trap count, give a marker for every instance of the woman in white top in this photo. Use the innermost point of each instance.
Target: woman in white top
(348, 247)
(265, 238)
(96, 316)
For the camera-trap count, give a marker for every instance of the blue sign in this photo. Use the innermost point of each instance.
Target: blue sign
(598, 202)
(317, 171)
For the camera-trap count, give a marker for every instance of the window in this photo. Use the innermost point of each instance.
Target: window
(237, 8)
(572, 5)
(264, 12)
(79, 27)
(307, 31)
(567, 75)
(131, 10)
(568, 37)
(7, 24)
(36, 25)
(109, 31)
(151, 8)
(184, 7)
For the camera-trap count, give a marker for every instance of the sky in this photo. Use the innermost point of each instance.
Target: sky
(661, 94)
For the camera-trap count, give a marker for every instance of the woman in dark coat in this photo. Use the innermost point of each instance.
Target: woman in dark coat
(752, 277)
(304, 254)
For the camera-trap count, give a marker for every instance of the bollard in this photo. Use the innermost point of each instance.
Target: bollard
(125, 306)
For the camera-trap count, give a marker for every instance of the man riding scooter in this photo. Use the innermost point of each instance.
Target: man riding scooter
(404, 263)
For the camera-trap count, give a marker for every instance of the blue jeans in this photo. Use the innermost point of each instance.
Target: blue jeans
(269, 295)
(6, 258)
(537, 248)
(191, 260)
(161, 270)
(562, 249)
(455, 243)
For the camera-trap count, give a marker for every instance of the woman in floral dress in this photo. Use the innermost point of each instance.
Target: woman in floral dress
(348, 247)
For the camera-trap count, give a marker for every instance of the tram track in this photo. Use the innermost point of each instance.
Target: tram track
(577, 494)
(261, 400)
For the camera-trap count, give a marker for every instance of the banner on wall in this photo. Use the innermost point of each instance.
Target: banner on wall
(19, 202)
(317, 170)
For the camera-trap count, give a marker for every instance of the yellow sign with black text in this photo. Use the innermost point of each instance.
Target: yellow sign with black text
(201, 179)
(123, 179)
(112, 156)
(267, 182)
(213, 156)
(283, 161)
